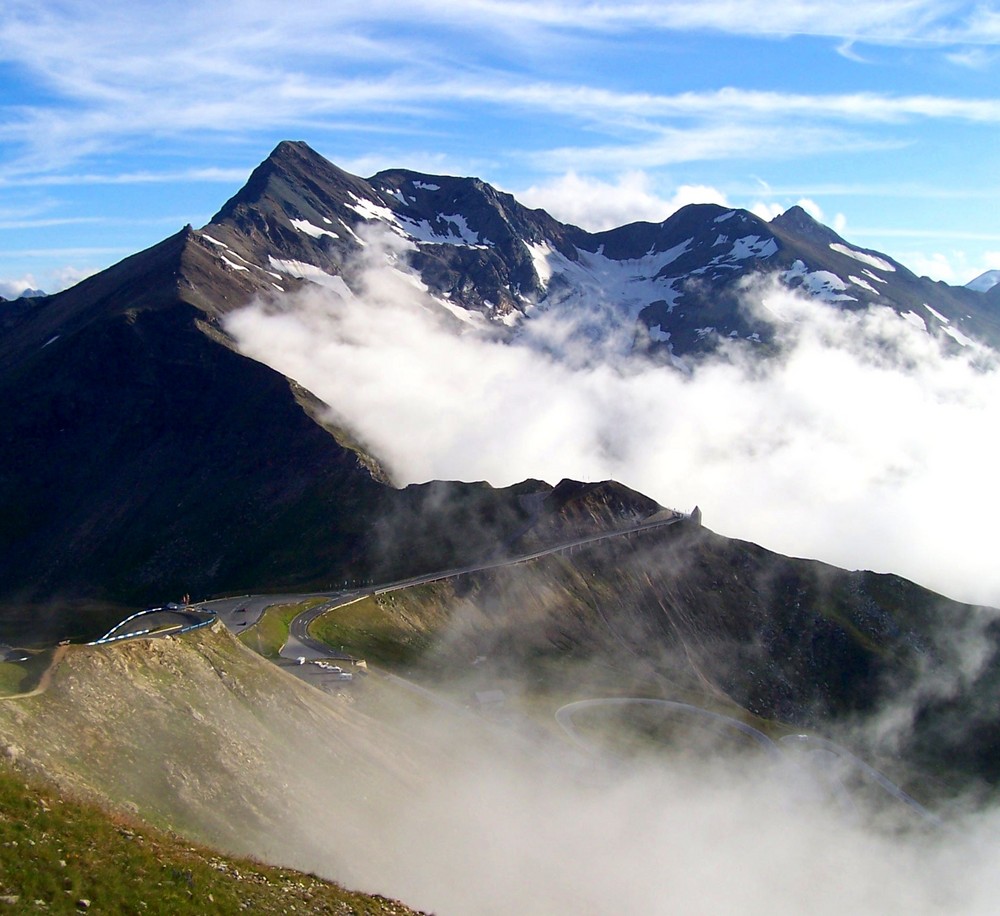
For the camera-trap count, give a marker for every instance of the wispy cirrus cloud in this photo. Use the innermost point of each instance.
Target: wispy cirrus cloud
(225, 69)
(210, 175)
(516, 92)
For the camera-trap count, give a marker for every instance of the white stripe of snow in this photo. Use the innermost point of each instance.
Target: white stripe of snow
(369, 210)
(861, 256)
(465, 315)
(959, 337)
(864, 284)
(540, 253)
(594, 279)
(303, 225)
(937, 315)
(460, 234)
(312, 273)
(914, 319)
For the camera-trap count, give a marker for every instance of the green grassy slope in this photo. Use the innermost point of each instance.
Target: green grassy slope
(59, 854)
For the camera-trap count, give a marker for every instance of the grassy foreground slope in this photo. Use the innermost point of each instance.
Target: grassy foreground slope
(201, 736)
(60, 855)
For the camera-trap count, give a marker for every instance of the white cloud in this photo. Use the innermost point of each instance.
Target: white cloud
(846, 449)
(65, 277)
(766, 211)
(51, 281)
(811, 207)
(954, 266)
(594, 204)
(973, 58)
(519, 830)
(228, 70)
(12, 288)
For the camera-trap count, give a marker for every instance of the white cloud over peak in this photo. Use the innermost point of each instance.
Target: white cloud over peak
(595, 204)
(12, 288)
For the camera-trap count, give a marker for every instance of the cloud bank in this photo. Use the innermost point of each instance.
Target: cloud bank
(868, 444)
(541, 835)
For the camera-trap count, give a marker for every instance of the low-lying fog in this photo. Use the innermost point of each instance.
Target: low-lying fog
(531, 829)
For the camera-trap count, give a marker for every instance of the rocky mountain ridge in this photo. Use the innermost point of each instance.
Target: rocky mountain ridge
(683, 283)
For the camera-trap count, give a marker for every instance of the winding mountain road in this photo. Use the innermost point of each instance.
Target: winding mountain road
(299, 628)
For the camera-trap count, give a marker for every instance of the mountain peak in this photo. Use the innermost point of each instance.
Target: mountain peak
(290, 181)
(292, 147)
(985, 281)
(798, 221)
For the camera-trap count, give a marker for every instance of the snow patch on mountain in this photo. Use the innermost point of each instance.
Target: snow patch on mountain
(456, 230)
(862, 256)
(370, 210)
(313, 274)
(818, 283)
(914, 319)
(595, 280)
(459, 233)
(393, 192)
(303, 225)
(864, 284)
(752, 246)
(466, 316)
(232, 264)
(540, 253)
(959, 337)
(937, 315)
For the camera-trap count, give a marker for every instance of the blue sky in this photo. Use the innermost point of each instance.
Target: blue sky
(124, 121)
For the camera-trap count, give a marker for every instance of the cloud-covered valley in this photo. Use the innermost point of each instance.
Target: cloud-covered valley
(868, 443)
